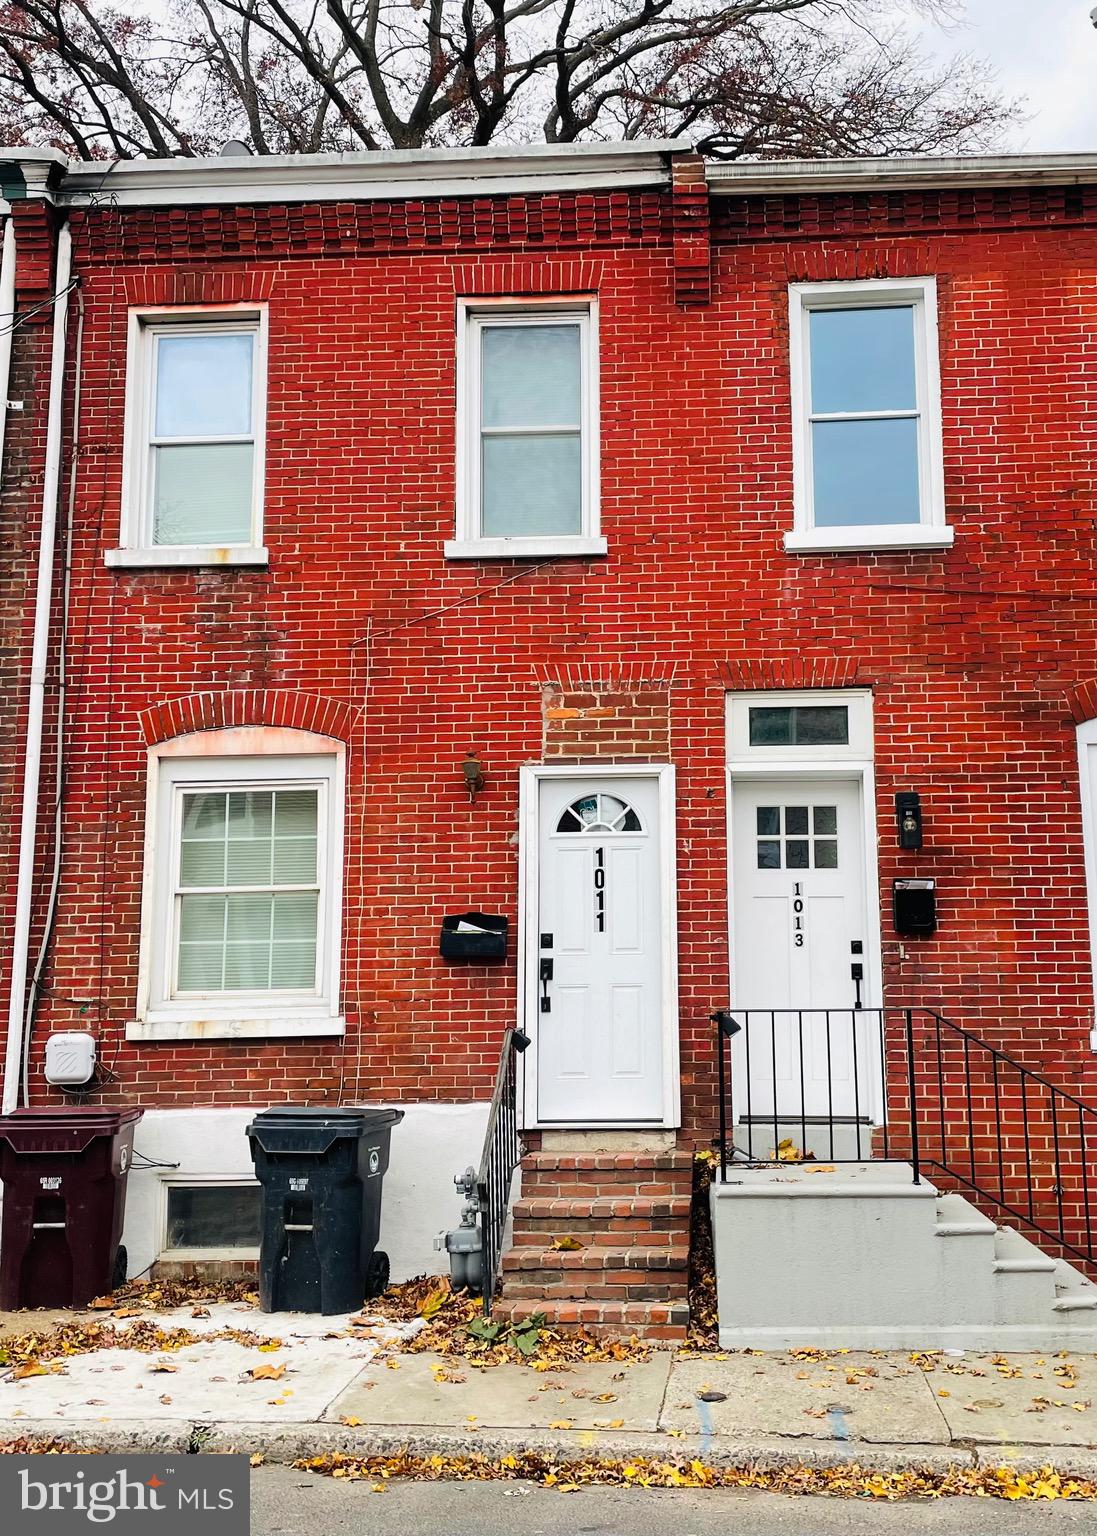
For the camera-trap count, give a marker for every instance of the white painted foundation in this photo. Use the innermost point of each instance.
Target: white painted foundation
(432, 1144)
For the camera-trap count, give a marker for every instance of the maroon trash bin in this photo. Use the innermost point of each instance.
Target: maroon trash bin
(64, 1175)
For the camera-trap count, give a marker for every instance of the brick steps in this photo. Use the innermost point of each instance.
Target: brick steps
(629, 1212)
(664, 1321)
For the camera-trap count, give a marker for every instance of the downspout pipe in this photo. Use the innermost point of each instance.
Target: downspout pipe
(7, 320)
(32, 770)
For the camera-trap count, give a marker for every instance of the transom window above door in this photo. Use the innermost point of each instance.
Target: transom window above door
(866, 416)
(195, 425)
(800, 725)
(527, 430)
(599, 813)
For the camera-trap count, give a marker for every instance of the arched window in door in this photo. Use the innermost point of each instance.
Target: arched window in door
(599, 813)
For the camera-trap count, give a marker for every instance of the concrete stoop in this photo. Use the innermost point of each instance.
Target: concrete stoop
(624, 1219)
(862, 1257)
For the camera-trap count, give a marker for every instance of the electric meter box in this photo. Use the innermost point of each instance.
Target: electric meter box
(70, 1058)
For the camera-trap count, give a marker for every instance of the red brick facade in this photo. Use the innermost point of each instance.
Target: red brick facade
(980, 658)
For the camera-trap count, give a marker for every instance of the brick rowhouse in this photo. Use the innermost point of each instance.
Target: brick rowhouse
(980, 658)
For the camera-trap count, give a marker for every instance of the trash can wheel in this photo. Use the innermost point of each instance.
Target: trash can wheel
(121, 1266)
(377, 1274)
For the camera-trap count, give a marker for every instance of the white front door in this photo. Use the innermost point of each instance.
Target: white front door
(799, 935)
(599, 1010)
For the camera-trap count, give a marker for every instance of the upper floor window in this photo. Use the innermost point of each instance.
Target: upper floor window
(194, 439)
(866, 416)
(527, 425)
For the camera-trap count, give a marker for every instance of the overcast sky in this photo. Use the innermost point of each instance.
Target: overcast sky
(1045, 50)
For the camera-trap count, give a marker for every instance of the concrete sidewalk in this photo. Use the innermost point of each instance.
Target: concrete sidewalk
(299, 1385)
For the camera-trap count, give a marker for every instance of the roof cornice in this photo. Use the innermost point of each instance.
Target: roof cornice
(385, 174)
(746, 178)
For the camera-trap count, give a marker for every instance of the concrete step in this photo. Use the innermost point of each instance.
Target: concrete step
(667, 1321)
(1023, 1280)
(845, 1140)
(638, 1256)
(1014, 1254)
(1074, 1292)
(957, 1217)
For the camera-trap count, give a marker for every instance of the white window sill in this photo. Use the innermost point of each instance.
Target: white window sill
(168, 555)
(206, 1255)
(820, 541)
(504, 549)
(298, 1025)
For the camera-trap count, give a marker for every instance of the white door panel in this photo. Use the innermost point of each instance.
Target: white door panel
(599, 1045)
(798, 929)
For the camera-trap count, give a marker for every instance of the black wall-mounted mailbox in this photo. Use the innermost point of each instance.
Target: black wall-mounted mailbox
(914, 905)
(473, 938)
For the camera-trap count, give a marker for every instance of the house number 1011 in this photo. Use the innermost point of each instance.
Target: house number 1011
(600, 889)
(798, 914)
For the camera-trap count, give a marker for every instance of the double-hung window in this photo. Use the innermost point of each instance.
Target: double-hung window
(527, 431)
(194, 440)
(866, 416)
(242, 897)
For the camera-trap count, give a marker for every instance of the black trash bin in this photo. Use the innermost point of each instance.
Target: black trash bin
(322, 1173)
(64, 1173)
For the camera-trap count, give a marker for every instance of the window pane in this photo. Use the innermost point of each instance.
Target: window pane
(250, 812)
(247, 967)
(796, 819)
(249, 863)
(203, 494)
(796, 855)
(204, 815)
(770, 727)
(248, 918)
(821, 725)
(203, 385)
(201, 863)
(294, 861)
(531, 485)
(862, 360)
(769, 820)
(826, 855)
(769, 855)
(295, 917)
(201, 967)
(530, 376)
(826, 819)
(293, 967)
(213, 1216)
(295, 813)
(202, 919)
(865, 472)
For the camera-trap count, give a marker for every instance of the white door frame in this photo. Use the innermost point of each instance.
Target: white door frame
(789, 763)
(529, 786)
(1087, 738)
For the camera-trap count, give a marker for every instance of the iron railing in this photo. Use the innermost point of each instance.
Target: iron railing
(501, 1156)
(908, 1085)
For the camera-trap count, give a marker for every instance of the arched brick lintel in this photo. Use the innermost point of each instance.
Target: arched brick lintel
(1082, 699)
(791, 672)
(247, 706)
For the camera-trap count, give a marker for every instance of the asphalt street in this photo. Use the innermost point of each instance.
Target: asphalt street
(285, 1502)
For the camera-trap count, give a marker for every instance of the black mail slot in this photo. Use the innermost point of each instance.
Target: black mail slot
(474, 938)
(914, 904)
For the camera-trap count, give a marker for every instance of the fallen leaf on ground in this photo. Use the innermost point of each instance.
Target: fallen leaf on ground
(267, 1372)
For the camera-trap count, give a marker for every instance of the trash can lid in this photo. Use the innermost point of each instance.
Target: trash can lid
(332, 1123)
(70, 1127)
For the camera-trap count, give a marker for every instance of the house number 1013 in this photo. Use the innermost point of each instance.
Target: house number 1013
(600, 889)
(798, 915)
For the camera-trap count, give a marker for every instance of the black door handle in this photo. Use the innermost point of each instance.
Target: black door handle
(857, 972)
(545, 976)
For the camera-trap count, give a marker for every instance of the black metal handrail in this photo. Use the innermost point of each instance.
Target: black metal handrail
(911, 1086)
(500, 1157)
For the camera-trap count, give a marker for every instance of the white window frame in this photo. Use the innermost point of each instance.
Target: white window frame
(135, 540)
(932, 531)
(858, 702)
(473, 317)
(240, 757)
(181, 1180)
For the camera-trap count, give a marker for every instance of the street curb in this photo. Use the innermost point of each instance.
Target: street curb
(285, 1443)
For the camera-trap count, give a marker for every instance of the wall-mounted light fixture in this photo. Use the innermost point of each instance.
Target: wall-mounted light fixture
(908, 814)
(472, 771)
